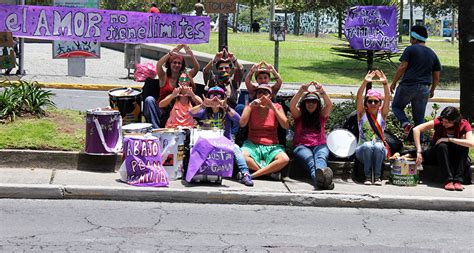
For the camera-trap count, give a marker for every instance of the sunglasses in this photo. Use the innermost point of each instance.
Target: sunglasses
(373, 101)
(212, 95)
(177, 63)
(223, 68)
(263, 91)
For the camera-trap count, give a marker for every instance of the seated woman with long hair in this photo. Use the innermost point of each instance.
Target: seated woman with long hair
(449, 148)
(311, 151)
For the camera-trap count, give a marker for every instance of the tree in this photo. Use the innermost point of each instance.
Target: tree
(466, 57)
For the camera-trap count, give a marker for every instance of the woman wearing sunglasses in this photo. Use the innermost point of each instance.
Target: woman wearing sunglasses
(309, 140)
(262, 151)
(371, 116)
(215, 112)
(449, 148)
(262, 73)
(174, 63)
(182, 100)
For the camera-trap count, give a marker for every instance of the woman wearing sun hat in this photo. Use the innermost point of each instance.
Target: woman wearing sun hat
(372, 113)
(262, 151)
(311, 151)
(215, 112)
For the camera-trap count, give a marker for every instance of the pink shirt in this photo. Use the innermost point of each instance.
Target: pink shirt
(309, 137)
(263, 129)
(179, 116)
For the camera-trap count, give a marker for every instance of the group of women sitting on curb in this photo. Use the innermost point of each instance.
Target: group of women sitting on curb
(261, 153)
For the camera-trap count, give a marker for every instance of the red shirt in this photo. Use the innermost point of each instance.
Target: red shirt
(165, 90)
(440, 130)
(154, 10)
(263, 129)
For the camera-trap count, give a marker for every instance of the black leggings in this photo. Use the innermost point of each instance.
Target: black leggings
(451, 159)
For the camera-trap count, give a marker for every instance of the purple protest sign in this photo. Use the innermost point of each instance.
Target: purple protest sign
(372, 27)
(143, 162)
(213, 156)
(94, 25)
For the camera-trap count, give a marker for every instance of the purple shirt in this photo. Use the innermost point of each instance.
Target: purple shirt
(309, 137)
(201, 114)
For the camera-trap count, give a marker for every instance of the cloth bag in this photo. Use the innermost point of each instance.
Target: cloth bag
(144, 71)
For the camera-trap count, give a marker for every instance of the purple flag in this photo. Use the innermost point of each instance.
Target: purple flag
(213, 156)
(143, 162)
(372, 27)
(94, 25)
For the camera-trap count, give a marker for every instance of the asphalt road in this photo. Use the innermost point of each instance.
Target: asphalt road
(74, 225)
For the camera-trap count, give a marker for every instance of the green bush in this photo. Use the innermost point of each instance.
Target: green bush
(26, 98)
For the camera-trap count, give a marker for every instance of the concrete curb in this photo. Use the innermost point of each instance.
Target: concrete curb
(64, 160)
(22, 191)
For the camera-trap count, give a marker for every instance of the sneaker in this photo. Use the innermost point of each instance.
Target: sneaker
(378, 182)
(320, 179)
(449, 186)
(276, 176)
(239, 175)
(330, 186)
(458, 186)
(368, 181)
(246, 180)
(328, 174)
(408, 131)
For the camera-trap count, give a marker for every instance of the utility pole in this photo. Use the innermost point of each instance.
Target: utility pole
(272, 10)
(411, 17)
(400, 25)
(223, 43)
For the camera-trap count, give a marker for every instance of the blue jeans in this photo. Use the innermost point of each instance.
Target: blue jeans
(240, 160)
(239, 109)
(418, 96)
(371, 155)
(151, 112)
(312, 158)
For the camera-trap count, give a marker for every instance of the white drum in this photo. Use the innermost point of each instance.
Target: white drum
(204, 133)
(341, 143)
(172, 148)
(137, 128)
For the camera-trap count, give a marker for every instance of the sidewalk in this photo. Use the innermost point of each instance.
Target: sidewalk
(34, 183)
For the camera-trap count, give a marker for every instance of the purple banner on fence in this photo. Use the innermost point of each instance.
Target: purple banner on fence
(372, 27)
(143, 162)
(213, 156)
(94, 25)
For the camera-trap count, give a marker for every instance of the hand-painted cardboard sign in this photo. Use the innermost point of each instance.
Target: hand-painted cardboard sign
(372, 27)
(94, 25)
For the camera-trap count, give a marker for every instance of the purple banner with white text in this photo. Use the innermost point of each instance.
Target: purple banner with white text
(212, 156)
(94, 25)
(372, 27)
(143, 163)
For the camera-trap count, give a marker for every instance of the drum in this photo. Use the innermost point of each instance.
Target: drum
(172, 150)
(103, 132)
(137, 128)
(206, 133)
(403, 172)
(128, 102)
(341, 143)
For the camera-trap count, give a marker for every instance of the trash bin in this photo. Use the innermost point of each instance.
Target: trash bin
(132, 54)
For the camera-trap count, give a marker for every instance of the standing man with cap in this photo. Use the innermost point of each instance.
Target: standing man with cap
(421, 70)
(199, 8)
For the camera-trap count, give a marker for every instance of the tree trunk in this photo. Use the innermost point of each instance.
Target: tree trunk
(297, 23)
(411, 16)
(400, 25)
(452, 27)
(339, 22)
(251, 12)
(236, 18)
(424, 15)
(316, 32)
(466, 57)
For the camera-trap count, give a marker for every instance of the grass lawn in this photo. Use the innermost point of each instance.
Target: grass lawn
(303, 58)
(471, 154)
(60, 130)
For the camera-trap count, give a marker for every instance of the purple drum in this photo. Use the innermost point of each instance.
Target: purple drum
(103, 132)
